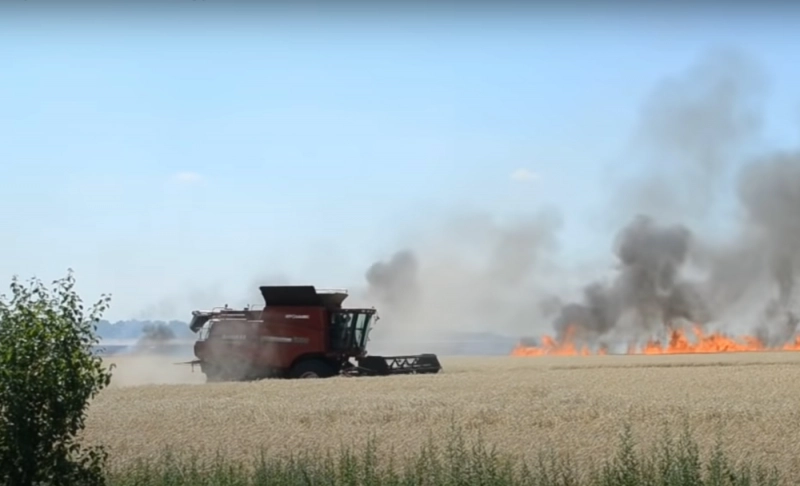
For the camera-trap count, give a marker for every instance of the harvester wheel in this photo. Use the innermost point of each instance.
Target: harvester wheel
(312, 368)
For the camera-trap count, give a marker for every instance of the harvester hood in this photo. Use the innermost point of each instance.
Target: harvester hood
(300, 296)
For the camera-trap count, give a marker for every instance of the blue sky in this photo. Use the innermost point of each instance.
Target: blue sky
(153, 154)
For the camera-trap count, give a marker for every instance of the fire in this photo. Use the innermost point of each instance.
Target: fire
(679, 343)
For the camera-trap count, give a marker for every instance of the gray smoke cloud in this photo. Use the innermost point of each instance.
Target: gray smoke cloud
(749, 280)
(675, 261)
(474, 273)
(769, 190)
(157, 333)
(651, 257)
(692, 133)
(155, 339)
(693, 147)
(647, 285)
(395, 282)
(697, 130)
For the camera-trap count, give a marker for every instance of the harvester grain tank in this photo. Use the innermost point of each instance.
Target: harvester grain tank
(300, 333)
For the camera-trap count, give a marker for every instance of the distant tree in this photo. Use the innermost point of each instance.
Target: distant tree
(48, 374)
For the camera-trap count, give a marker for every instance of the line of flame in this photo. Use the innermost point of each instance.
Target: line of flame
(679, 343)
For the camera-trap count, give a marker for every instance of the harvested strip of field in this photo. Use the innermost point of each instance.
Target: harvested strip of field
(522, 405)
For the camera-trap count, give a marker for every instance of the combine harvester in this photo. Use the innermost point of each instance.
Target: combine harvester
(300, 333)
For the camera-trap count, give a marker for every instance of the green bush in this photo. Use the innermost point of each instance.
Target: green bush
(48, 374)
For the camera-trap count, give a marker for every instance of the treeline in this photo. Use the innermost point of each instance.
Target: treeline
(136, 329)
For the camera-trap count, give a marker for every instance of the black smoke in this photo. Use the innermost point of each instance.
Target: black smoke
(156, 334)
(695, 134)
(647, 287)
(677, 260)
(394, 282)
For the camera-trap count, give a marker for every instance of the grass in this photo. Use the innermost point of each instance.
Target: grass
(458, 462)
(569, 409)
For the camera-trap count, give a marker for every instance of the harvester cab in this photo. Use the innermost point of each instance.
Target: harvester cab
(349, 330)
(300, 333)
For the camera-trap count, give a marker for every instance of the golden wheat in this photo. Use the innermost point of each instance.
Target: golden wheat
(522, 405)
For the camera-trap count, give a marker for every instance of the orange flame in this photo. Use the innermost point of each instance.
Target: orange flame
(679, 343)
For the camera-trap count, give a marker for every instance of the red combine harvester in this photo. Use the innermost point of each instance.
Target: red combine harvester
(300, 333)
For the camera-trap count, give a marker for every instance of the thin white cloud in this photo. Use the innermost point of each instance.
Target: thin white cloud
(524, 175)
(187, 177)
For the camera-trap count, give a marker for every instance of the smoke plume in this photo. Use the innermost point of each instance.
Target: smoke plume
(475, 273)
(769, 190)
(157, 333)
(395, 282)
(155, 339)
(692, 133)
(703, 232)
(647, 290)
(702, 125)
(693, 148)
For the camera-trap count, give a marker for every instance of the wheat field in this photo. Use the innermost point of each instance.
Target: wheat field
(522, 405)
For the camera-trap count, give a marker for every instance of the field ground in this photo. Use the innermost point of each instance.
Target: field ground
(521, 405)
